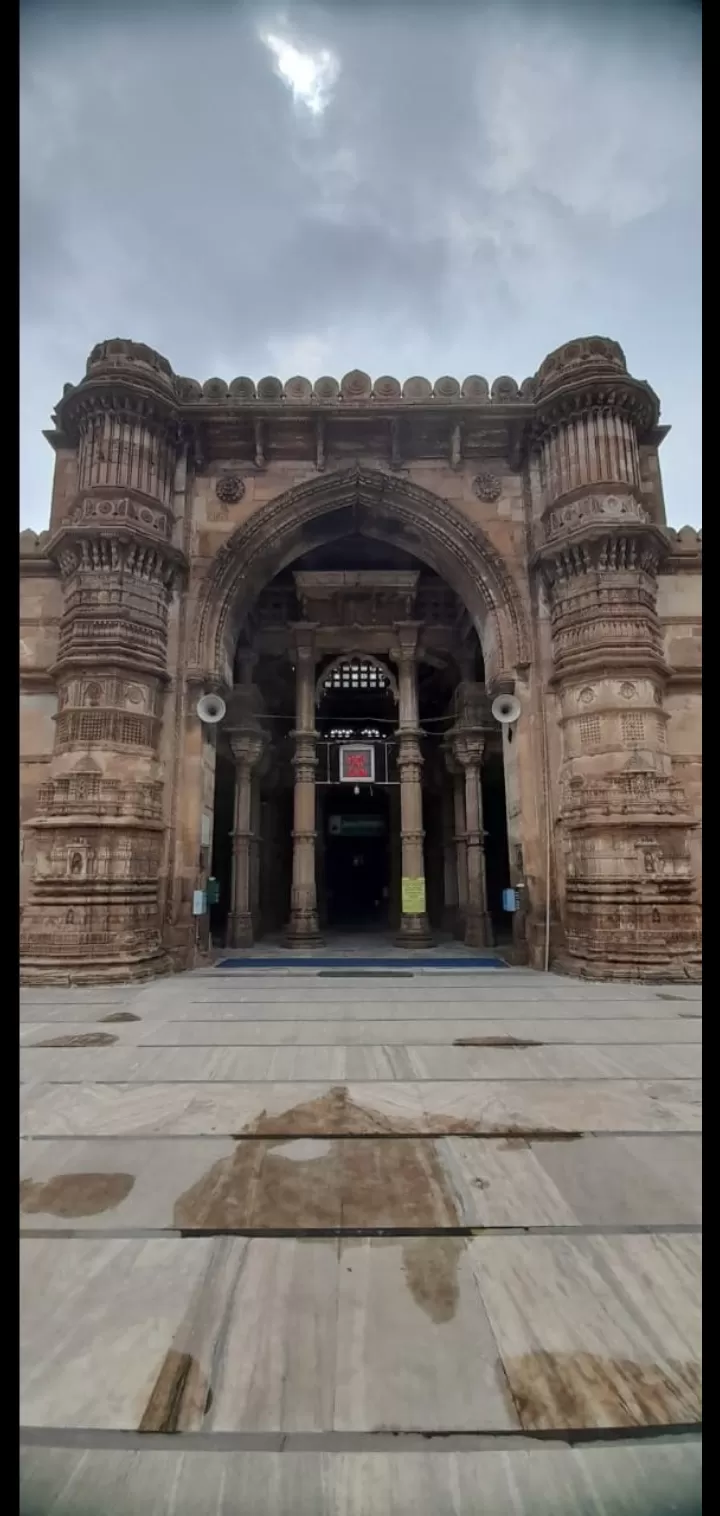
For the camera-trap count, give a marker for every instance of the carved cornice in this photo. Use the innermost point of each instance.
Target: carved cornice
(632, 398)
(112, 547)
(599, 542)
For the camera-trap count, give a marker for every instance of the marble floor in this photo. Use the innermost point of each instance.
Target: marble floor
(280, 1230)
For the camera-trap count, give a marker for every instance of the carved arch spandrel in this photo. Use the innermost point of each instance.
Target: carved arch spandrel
(425, 523)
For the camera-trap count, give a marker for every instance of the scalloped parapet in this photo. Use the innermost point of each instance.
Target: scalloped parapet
(357, 387)
(33, 544)
(685, 553)
(686, 539)
(574, 363)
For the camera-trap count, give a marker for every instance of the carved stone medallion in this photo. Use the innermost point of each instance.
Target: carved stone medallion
(487, 487)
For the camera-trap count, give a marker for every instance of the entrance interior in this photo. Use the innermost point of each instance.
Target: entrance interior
(361, 592)
(356, 845)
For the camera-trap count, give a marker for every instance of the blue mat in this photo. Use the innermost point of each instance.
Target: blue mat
(348, 965)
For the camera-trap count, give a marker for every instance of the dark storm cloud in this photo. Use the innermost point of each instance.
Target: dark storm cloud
(408, 187)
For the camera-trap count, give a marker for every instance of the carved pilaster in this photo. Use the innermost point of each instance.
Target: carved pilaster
(247, 747)
(459, 838)
(630, 908)
(93, 908)
(414, 926)
(303, 928)
(468, 747)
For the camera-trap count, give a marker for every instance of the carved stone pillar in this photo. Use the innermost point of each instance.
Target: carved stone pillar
(450, 868)
(630, 907)
(414, 928)
(457, 778)
(303, 926)
(256, 811)
(460, 843)
(395, 845)
(246, 750)
(93, 911)
(468, 749)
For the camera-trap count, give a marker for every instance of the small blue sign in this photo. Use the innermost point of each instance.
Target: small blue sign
(510, 900)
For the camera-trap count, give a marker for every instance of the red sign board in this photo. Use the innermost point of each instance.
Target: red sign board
(357, 764)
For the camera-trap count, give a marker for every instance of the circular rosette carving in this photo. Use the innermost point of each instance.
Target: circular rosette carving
(487, 487)
(229, 489)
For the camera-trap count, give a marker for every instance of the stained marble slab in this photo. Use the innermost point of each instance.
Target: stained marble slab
(97, 1320)
(596, 1332)
(290, 1335)
(80, 1063)
(444, 1031)
(276, 1184)
(429, 1108)
(614, 1034)
(635, 1479)
(415, 1350)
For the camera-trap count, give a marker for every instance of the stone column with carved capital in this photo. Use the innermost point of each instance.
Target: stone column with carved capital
(450, 871)
(246, 748)
(414, 926)
(93, 912)
(457, 779)
(303, 927)
(629, 904)
(468, 748)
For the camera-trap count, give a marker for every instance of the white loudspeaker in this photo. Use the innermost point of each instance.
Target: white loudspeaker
(506, 709)
(211, 709)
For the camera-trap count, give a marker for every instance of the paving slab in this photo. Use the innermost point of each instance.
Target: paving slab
(279, 1206)
(86, 1058)
(473, 1028)
(596, 1332)
(430, 1108)
(640, 1479)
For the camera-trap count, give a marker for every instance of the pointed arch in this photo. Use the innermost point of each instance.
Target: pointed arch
(374, 504)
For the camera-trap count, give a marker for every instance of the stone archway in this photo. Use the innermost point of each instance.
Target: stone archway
(381, 505)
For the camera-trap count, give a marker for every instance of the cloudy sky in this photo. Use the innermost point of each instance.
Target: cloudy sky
(420, 187)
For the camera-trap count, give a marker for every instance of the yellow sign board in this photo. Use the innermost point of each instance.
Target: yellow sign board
(413, 897)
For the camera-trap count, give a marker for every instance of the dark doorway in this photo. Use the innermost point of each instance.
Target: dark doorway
(356, 837)
(222, 846)
(497, 861)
